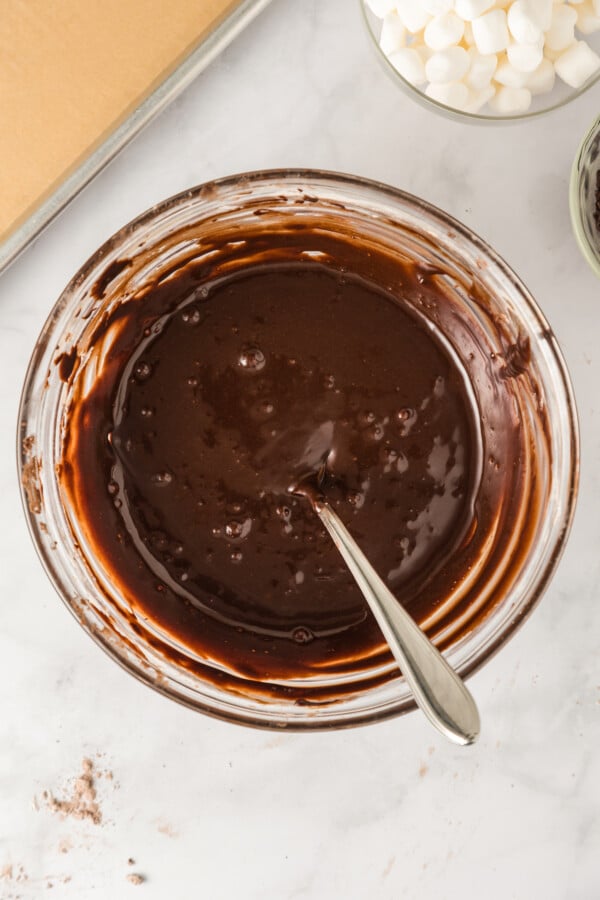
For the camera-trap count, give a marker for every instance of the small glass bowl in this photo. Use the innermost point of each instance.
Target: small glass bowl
(560, 95)
(584, 196)
(494, 303)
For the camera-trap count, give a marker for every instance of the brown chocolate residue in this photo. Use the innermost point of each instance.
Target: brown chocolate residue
(30, 476)
(67, 364)
(110, 273)
(517, 358)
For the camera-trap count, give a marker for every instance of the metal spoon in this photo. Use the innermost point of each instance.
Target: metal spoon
(436, 687)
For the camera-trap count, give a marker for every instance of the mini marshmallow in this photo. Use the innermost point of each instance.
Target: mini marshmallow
(454, 94)
(446, 65)
(540, 12)
(588, 21)
(444, 31)
(472, 9)
(413, 15)
(522, 26)
(562, 29)
(409, 64)
(381, 7)
(511, 100)
(577, 64)
(542, 80)
(478, 99)
(491, 32)
(393, 34)
(437, 7)
(481, 70)
(525, 57)
(508, 76)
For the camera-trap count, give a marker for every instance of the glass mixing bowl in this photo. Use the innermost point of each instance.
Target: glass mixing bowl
(493, 304)
(560, 95)
(584, 196)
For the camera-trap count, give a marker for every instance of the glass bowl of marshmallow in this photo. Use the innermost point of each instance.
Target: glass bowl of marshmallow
(489, 59)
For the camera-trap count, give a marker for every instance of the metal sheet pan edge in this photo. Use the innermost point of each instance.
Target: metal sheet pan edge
(173, 85)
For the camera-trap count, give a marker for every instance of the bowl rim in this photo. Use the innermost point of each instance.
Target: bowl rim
(306, 176)
(450, 112)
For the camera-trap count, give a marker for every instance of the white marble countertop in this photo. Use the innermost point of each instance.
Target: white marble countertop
(216, 811)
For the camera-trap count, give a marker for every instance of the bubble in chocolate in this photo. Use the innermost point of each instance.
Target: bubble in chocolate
(405, 418)
(262, 410)
(162, 478)
(113, 488)
(191, 316)
(494, 463)
(356, 499)
(142, 370)
(252, 359)
(146, 412)
(375, 432)
(302, 635)
(236, 530)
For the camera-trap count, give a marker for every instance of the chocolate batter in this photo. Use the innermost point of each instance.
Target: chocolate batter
(223, 387)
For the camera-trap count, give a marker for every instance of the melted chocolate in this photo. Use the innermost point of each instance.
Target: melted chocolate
(223, 388)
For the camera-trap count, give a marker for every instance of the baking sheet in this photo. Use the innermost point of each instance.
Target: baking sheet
(235, 17)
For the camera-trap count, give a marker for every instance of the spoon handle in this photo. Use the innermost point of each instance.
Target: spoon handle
(436, 687)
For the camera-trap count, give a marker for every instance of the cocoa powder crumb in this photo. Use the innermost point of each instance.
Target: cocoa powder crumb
(166, 828)
(83, 802)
